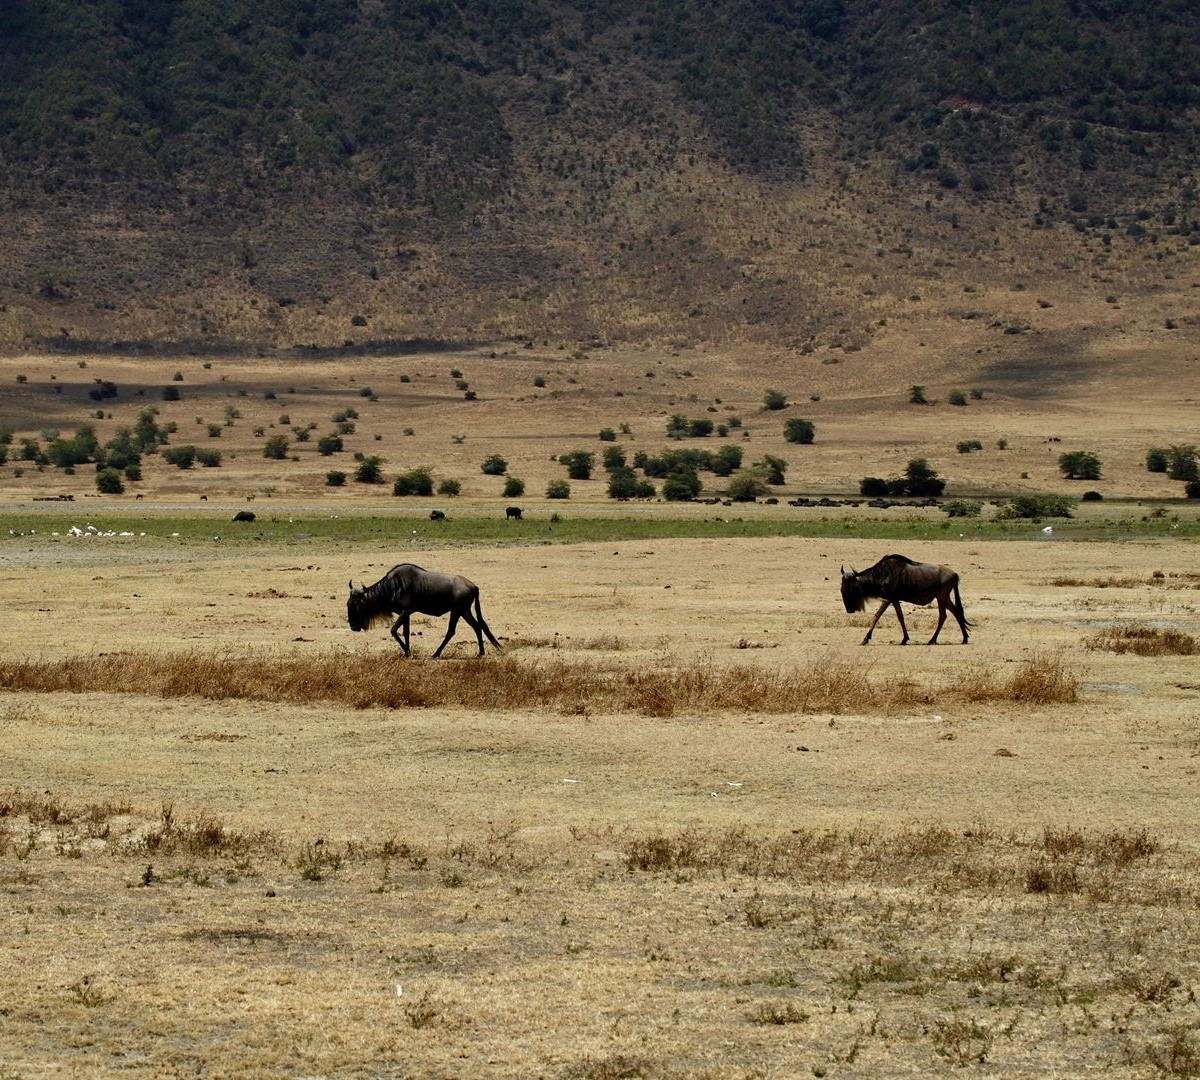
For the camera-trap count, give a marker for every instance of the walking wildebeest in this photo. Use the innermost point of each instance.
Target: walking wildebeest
(244, 515)
(407, 590)
(512, 512)
(437, 515)
(894, 579)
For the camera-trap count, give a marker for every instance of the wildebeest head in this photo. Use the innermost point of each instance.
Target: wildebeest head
(852, 594)
(358, 612)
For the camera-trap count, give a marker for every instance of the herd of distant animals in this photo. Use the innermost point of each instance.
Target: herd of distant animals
(408, 589)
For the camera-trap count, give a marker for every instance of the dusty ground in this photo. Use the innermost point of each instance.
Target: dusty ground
(449, 893)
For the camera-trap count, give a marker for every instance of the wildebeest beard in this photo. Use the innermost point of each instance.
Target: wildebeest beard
(852, 593)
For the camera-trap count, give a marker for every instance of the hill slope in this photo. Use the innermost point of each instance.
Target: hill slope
(344, 172)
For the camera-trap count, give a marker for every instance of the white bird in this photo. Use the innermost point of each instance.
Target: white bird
(1048, 529)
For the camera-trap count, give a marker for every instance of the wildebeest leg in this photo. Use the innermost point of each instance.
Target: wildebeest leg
(871, 629)
(402, 641)
(941, 601)
(449, 634)
(957, 607)
(900, 616)
(473, 623)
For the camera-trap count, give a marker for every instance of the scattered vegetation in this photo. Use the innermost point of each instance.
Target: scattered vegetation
(1142, 640)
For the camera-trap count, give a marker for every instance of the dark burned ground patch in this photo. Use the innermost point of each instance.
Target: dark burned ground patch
(1044, 365)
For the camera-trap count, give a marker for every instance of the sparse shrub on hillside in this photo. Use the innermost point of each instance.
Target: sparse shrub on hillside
(1079, 465)
(103, 390)
(976, 394)
(747, 486)
(608, 435)
(276, 447)
(916, 396)
(335, 478)
(418, 481)
(370, 471)
(700, 429)
(1182, 463)
(539, 381)
(799, 431)
(449, 487)
(578, 463)
(775, 400)
(962, 508)
(681, 487)
(513, 488)
(171, 393)
(209, 458)
(108, 482)
(773, 469)
(330, 444)
(182, 457)
(873, 487)
(613, 458)
(956, 397)
(494, 465)
(1192, 490)
(1157, 459)
(967, 445)
(558, 489)
(214, 431)
(622, 483)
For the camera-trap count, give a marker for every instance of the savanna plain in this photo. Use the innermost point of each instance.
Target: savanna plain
(682, 823)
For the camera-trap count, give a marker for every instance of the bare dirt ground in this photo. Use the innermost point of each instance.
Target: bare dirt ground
(222, 887)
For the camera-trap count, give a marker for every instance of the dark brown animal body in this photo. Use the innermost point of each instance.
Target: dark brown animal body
(406, 590)
(895, 579)
(512, 512)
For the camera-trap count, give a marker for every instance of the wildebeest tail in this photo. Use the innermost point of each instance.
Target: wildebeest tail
(483, 622)
(961, 610)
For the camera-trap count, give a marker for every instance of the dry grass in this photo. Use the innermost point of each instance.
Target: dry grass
(1143, 640)
(511, 682)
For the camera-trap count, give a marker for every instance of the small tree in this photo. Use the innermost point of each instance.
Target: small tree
(747, 486)
(916, 396)
(449, 487)
(726, 460)
(558, 489)
(579, 464)
(494, 465)
(799, 431)
(622, 483)
(335, 478)
(614, 458)
(873, 487)
(773, 469)
(962, 508)
(1183, 464)
(700, 429)
(418, 481)
(956, 397)
(182, 457)
(330, 444)
(681, 486)
(775, 400)
(921, 480)
(678, 427)
(370, 471)
(1192, 490)
(608, 435)
(276, 447)
(513, 488)
(109, 482)
(1079, 465)
(1157, 459)
(209, 458)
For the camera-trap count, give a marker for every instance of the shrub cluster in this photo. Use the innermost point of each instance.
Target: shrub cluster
(919, 480)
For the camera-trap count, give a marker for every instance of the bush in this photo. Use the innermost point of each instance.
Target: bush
(916, 396)
(874, 487)
(747, 486)
(330, 444)
(335, 478)
(1092, 496)
(494, 465)
(622, 483)
(1037, 506)
(681, 487)
(1182, 464)
(558, 489)
(109, 482)
(775, 400)
(513, 488)
(1192, 490)
(614, 458)
(799, 431)
(962, 508)
(182, 457)
(579, 464)
(276, 447)
(170, 393)
(700, 429)
(214, 431)
(726, 460)
(608, 435)
(956, 397)
(774, 469)
(921, 480)
(418, 481)
(210, 459)
(967, 445)
(1157, 459)
(1079, 465)
(370, 471)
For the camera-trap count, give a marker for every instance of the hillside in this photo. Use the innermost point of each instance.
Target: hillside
(346, 174)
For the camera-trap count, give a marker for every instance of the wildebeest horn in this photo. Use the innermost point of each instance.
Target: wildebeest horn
(352, 584)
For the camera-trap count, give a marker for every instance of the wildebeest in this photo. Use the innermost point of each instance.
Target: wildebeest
(512, 512)
(244, 515)
(406, 590)
(896, 578)
(437, 515)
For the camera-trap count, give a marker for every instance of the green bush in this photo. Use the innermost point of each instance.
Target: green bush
(558, 489)
(956, 397)
(449, 487)
(579, 464)
(747, 486)
(513, 488)
(916, 396)
(962, 508)
(330, 444)
(108, 482)
(681, 487)
(335, 478)
(276, 447)
(774, 469)
(608, 435)
(873, 487)
(370, 471)
(1037, 506)
(1183, 464)
(614, 458)
(622, 483)
(1079, 465)
(182, 457)
(418, 481)
(799, 431)
(967, 445)
(1192, 490)
(700, 429)
(209, 458)
(1157, 459)
(494, 465)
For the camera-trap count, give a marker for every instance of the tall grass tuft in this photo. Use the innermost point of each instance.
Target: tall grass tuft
(1144, 640)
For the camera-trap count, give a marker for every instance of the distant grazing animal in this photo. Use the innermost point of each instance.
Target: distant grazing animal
(407, 590)
(437, 515)
(512, 512)
(244, 515)
(894, 579)
(204, 498)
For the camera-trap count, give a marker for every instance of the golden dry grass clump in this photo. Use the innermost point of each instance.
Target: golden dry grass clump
(512, 682)
(1142, 640)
